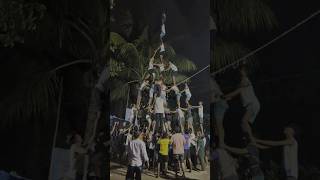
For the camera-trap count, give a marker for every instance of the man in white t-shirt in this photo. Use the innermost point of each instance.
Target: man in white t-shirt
(159, 107)
(290, 152)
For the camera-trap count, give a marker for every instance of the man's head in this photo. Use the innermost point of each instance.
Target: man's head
(290, 130)
(177, 130)
(137, 134)
(200, 103)
(164, 135)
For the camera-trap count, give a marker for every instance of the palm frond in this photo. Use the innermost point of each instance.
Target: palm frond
(129, 53)
(116, 40)
(180, 78)
(119, 91)
(226, 53)
(244, 16)
(183, 64)
(32, 98)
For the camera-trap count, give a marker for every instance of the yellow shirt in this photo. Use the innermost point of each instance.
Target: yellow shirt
(164, 146)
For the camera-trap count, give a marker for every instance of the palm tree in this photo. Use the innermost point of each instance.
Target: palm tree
(129, 62)
(240, 18)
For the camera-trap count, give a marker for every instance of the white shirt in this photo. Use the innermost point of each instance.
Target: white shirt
(159, 105)
(137, 153)
(163, 91)
(247, 93)
(173, 67)
(290, 154)
(200, 111)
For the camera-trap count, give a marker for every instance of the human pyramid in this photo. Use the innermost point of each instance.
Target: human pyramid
(167, 136)
(158, 91)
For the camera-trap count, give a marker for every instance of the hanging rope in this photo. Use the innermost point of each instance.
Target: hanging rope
(186, 79)
(237, 62)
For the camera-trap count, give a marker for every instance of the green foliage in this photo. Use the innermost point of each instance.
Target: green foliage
(130, 62)
(227, 52)
(31, 97)
(244, 16)
(238, 17)
(16, 19)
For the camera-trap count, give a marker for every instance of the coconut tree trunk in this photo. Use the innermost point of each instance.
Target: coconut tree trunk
(99, 67)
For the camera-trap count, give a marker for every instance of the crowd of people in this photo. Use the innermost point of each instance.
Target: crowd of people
(228, 160)
(80, 165)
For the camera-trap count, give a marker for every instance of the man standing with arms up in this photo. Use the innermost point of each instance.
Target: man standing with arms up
(137, 156)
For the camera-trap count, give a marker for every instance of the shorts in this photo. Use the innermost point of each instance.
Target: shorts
(163, 158)
(187, 154)
(178, 157)
(219, 109)
(253, 110)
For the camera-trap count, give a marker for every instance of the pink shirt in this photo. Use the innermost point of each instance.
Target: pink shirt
(178, 141)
